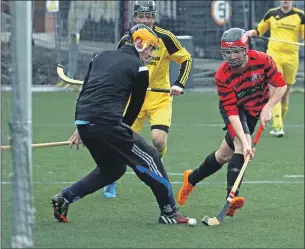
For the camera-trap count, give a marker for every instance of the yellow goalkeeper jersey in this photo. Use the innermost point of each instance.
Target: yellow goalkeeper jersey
(283, 26)
(169, 50)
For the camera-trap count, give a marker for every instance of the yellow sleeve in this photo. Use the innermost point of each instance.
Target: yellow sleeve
(183, 58)
(302, 25)
(180, 55)
(264, 24)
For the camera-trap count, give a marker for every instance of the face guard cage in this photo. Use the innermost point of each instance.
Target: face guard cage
(148, 13)
(227, 55)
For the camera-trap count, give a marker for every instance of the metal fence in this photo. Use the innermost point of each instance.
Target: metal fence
(71, 32)
(16, 66)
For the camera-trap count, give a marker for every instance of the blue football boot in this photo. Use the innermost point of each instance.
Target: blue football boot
(110, 190)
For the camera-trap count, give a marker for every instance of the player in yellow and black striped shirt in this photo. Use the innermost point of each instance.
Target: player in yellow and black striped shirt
(285, 23)
(158, 106)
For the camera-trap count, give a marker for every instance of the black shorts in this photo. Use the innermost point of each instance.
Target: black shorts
(248, 123)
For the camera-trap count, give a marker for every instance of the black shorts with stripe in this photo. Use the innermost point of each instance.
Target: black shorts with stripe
(248, 123)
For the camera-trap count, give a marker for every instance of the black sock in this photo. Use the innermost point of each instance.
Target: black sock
(207, 168)
(234, 168)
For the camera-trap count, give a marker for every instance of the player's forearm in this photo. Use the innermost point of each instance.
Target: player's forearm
(237, 126)
(185, 69)
(132, 111)
(135, 105)
(276, 96)
(252, 32)
(137, 96)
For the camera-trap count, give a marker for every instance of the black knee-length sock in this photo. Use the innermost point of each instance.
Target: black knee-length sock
(234, 168)
(207, 168)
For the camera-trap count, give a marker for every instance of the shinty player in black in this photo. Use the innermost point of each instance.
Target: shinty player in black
(103, 128)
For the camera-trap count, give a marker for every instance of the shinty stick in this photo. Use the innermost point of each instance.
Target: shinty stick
(41, 145)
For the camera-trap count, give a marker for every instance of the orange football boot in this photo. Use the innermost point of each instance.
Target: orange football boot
(236, 203)
(186, 188)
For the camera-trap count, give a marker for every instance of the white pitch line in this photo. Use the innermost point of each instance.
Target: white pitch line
(176, 182)
(294, 176)
(201, 183)
(181, 174)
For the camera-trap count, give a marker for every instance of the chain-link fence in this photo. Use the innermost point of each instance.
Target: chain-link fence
(71, 32)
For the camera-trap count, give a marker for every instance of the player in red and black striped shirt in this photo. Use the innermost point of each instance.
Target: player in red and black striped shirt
(243, 90)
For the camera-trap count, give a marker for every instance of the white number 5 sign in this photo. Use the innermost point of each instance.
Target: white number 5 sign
(221, 11)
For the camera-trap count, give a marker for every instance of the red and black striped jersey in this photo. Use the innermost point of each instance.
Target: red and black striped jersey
(248, 89)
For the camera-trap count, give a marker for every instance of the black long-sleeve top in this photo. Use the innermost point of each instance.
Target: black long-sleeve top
(113, 76)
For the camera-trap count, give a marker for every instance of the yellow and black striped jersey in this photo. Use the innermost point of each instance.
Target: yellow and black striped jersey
(283, 26)
(169, 50)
